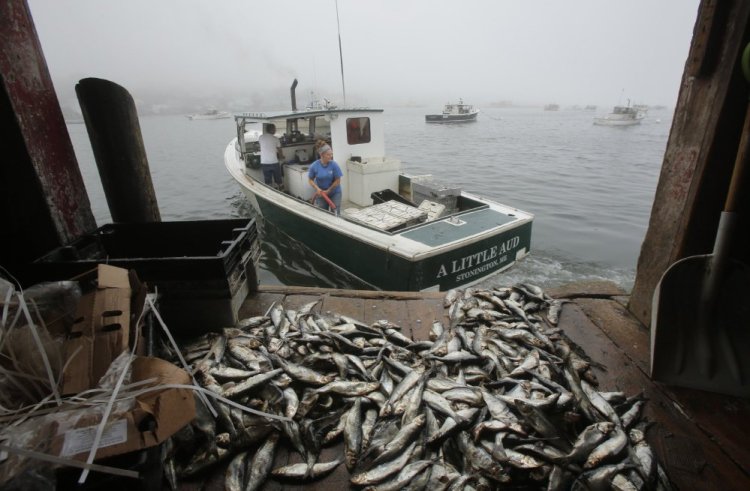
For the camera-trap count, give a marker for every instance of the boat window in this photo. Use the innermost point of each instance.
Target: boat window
(357, 130)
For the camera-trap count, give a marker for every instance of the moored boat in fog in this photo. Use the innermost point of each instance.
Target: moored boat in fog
(454, 113)
(621, 116)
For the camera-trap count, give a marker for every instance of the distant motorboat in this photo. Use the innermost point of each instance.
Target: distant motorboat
(552, 107)
(622, 116)
(211, 114)
(454, 113)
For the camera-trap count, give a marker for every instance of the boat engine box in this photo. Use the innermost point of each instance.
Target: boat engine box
(202, 270)
(431, 190)
(371, 175)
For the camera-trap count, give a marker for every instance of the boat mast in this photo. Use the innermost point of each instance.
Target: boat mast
(341, 56)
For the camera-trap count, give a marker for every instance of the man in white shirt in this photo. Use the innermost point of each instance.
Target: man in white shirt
(270, 153)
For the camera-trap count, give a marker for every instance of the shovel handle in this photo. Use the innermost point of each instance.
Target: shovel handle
(743, 153)
(740, 166)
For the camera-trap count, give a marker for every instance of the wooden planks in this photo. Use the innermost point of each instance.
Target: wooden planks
(699, 437)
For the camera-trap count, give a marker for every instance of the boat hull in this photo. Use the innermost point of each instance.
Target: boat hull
(616, 122)
(210, 116)
(373, 263)
(450, 118)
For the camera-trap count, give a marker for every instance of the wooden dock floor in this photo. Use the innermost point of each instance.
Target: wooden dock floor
(701, 438)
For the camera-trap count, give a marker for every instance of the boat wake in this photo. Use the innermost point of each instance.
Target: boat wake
(548, 270)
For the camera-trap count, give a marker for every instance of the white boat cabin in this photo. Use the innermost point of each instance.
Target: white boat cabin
(355, 135)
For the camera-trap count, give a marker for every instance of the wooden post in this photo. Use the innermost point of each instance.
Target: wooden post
(701, 150)
(115, 134)
(43, 201)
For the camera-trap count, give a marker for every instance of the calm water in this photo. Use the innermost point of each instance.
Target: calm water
(589, 187)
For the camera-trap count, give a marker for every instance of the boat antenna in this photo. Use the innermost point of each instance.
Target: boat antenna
(341, 56)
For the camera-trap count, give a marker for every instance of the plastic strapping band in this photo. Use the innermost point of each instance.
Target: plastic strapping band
(103, 422)
(108, 407)
(203, 390)
(150, 300)
(39, 345)
(6, 305)
(70, 403)
(270, 307)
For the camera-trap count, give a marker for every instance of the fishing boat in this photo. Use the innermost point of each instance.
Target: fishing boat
(454, 113)
(395, 231)
(211, 114)
(621, 116)
(552, 107)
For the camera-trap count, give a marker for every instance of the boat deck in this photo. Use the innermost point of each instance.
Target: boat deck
(700, 438)
(443, 232)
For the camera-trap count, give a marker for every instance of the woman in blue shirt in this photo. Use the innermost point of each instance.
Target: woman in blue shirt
(325, 176)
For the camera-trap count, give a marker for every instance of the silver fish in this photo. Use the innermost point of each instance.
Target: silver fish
(261, 463)
(406, 383)
(480, 460)
(441, 404)
(234, 476)
(400, 440)
(251, 322)
(413, 401)
(353, 434)
(303, 472)
(251, 383)
(404, 478)
(588, 440)
(600, 478)
(382, 471)
(301, 373)
(347, 388)
(600, 403)
(450, 297)
(609, 448)
(368, 425)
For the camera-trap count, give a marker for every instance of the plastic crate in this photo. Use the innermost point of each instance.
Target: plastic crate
(389, 195)
(203, 270)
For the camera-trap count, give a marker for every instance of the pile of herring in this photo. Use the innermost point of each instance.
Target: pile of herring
(499, 398)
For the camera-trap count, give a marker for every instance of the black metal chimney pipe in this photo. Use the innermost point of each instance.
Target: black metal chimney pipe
(294, 95)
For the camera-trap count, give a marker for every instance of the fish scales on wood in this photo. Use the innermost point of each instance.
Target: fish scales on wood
(492, 395)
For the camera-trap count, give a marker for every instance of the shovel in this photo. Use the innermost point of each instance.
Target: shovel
(700, 324)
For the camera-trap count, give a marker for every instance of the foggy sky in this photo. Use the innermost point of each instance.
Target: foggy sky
(395, 51)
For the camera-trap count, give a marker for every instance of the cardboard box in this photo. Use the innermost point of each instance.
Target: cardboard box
(134, 425)
(102, 326)
(155, 417)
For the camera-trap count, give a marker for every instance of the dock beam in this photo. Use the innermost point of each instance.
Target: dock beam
(43, 200)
